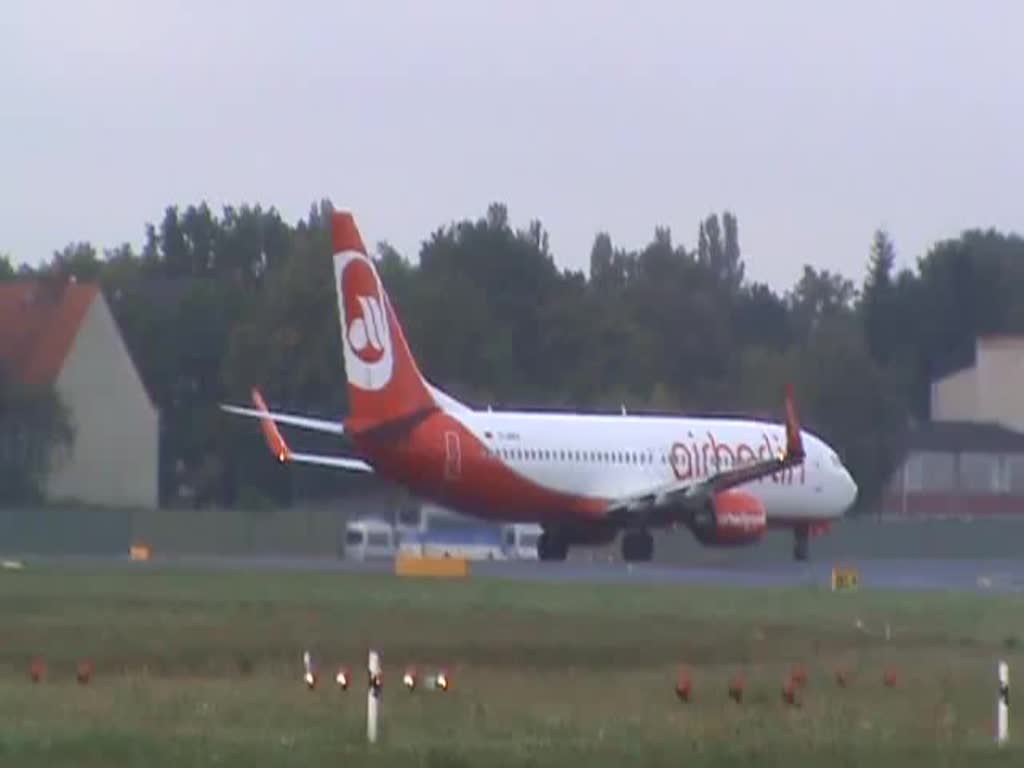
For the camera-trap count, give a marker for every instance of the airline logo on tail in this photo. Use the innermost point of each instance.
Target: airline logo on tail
(367, 338)
(384, 384)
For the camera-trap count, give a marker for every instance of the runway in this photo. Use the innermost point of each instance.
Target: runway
(982, 576)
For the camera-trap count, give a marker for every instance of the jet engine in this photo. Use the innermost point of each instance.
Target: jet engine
(730, 519)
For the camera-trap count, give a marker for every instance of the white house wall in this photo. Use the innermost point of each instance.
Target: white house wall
(114, 460)
(955, 397)
(1000, 366)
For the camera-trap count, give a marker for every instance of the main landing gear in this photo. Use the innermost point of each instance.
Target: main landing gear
(801, 543)
(637, 546)
(551, 546)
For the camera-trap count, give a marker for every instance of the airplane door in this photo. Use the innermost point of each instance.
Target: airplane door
(452, 456)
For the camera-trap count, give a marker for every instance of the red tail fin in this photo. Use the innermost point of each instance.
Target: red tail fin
(384, 382)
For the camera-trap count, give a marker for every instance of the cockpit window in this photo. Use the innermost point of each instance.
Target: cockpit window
(834, 458)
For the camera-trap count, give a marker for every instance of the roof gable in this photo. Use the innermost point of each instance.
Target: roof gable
(39, 320)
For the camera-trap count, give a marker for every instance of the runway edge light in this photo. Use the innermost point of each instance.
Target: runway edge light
(443, 681)
(309, 675)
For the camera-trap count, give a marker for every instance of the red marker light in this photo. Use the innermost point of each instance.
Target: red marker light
(409, 679)
(342, 678)
(736, 689)
(683, 685)
(789, 693)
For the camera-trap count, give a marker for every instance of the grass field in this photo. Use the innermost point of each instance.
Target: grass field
(204, 668)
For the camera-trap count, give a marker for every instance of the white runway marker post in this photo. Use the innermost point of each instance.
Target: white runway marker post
(373, 696)
(309, 675)
(1003, 705)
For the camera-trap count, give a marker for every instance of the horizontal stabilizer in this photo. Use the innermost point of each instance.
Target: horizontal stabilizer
(279, 448)
(337, 462)
(292, 420)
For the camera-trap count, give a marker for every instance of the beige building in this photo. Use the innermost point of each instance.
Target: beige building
(990, 391)
(968, 460)
(63, 333)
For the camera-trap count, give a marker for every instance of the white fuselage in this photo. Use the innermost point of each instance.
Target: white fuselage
(612, 457)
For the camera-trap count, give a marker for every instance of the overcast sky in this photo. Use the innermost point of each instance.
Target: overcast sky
(816, 122)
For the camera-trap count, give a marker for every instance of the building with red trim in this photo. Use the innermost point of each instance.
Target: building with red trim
(969, 459)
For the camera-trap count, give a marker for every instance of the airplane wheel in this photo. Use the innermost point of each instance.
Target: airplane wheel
(637, 546)
(550, 547)
(801, 543)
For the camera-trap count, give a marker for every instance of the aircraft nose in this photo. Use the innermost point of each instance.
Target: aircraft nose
(848, 490)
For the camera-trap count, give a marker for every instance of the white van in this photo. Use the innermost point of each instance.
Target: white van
(368, 539)
(519, 541)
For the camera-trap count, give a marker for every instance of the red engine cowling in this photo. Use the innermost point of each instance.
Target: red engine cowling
(731, 519)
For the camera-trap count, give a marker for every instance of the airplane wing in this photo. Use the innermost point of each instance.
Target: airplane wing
(660, 502)
(278, 446)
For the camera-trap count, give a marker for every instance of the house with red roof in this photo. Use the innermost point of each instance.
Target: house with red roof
(61, 333)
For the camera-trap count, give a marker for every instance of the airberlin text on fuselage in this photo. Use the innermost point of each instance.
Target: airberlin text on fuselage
(700, 458)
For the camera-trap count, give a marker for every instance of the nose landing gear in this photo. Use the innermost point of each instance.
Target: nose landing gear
(801, 543)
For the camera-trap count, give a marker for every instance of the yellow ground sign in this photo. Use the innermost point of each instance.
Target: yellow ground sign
(444, 567)
(138, 552)
(845, 579)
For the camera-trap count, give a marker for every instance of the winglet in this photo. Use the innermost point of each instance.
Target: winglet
(275, 442)
(794, 443)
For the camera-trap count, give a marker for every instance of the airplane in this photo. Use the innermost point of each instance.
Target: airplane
(585, 478)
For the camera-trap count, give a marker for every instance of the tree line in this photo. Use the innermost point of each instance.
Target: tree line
(216, 302)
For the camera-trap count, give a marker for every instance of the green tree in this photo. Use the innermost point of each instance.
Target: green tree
(77, 260)
(878, 300)
(34, 431)
(761, 318)
(819, 298)
(732, 268)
